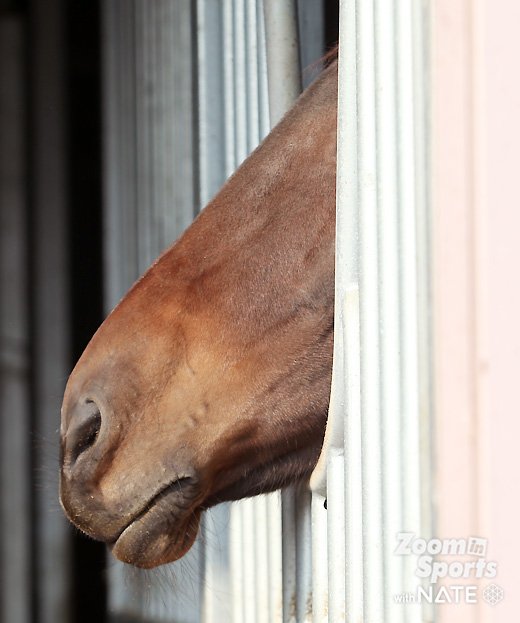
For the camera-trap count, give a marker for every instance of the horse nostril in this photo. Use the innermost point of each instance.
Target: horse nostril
(83, 431)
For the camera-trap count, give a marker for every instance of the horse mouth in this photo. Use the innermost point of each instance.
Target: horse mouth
(163, 531)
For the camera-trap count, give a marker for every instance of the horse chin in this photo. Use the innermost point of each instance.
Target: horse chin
(156, 539)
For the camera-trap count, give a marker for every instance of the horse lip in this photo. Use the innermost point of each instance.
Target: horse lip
(164, 529)
(153, 501)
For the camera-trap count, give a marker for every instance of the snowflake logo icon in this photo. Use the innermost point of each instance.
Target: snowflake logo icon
(493, 594)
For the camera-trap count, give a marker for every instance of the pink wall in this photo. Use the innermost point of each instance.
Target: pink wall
(476, 250)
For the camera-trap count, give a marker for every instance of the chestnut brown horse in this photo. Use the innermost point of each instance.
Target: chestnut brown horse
(210, 380)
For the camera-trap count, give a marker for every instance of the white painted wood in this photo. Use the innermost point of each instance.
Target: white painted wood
(379, 413)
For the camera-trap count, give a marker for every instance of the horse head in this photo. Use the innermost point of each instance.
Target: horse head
(210, 380)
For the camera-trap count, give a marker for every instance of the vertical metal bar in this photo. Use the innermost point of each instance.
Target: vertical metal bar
(289, 555)
(144, 190)
(389, 302)
(263, 88)
(240, 82)
(217, 589)
(229, 86)
(411, 472)
(283, 61)
(15, 477)
(249, 562)
(311, 27)
(274, 523)
(262, 560)
(296, 555)
(354, 546)
(253, 102)
(51, 347)
(336, 536)
(303, 555)
(119, 159)
(320, 584)
(237, 577)
(369, 319)
(212, 97)
(420, 15)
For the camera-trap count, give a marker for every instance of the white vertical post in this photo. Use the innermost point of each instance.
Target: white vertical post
(371, 445)
(354, 547)
(409, 355)
(389, 302)
(380, 370)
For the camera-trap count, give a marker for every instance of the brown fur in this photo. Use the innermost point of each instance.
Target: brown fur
(210, 380)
